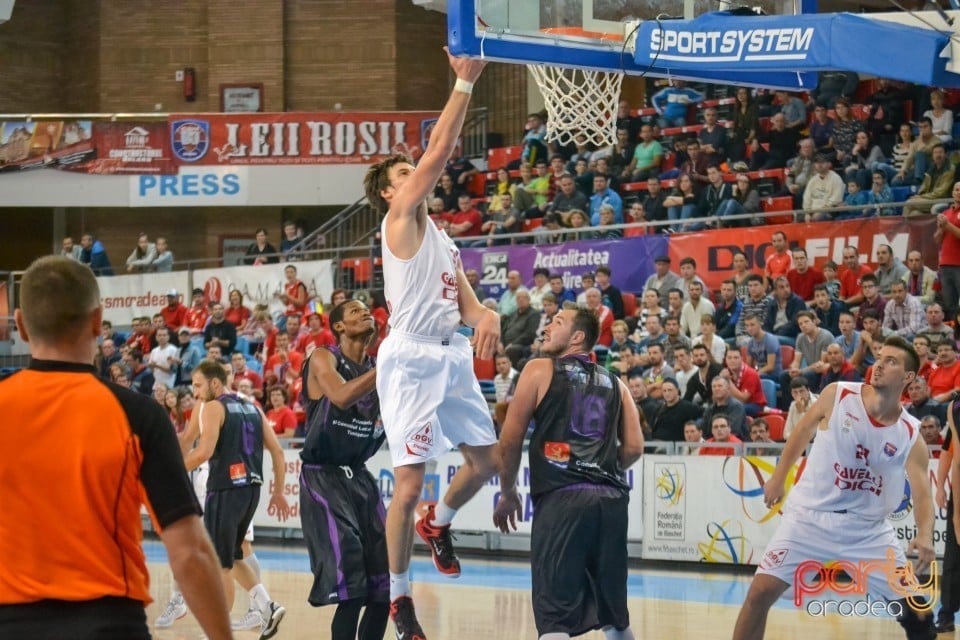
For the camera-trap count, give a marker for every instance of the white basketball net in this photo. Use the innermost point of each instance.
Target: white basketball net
(579, 101)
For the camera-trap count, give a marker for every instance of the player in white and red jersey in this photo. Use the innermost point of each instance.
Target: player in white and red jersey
(866, 446)
(429, 396)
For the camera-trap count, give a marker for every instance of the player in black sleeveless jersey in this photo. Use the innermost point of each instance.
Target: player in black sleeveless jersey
(587, 433)
(233, 434)
(340, 506)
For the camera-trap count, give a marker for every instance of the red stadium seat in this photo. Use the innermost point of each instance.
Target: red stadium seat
(786, 355)
(484, 369)
(782, 203)
(629, 304)
(776, 422)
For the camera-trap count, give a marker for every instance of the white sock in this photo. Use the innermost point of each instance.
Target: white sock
(253, 563)
(442, 514)
(555, 636)
(399, 585)
(611, 633)
(260, 598)
(175, 590)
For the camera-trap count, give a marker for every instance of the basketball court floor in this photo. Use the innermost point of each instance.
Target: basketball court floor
(491, 600)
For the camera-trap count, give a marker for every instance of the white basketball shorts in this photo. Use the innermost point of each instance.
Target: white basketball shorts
(430, 399)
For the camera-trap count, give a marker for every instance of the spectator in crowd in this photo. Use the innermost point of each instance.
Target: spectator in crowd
(70, 250)
(260, 251)
(760, 431)
(745, 125)
(611, 294)
(763, 350)
(724, 404)
(675, 301)
(873, 332)
(607, 218)
(741, 276)
(885, 114)
(473, 278)
(653, 206)
(461, 170)
(594, 302)
(919, 278)
(449, 193)
(713, 138)
(921, 344)
(849, 337)
(294, 294)
(803, 399)
(833, 86)
(672, 103)
(163, 359)
(880, 193)
(663, 279)
(944, 380)
(626, 121)
(236, 312)
(163, 263)
(793, 110)
(241, 371)
(812, 344)
(109, 355)
(603, 194)
(560, 291)
(700, 385)
(140, 336)
(283, 363)
(316, 334)
(838, 368)
(918, 156)
(860, 162)
(281, 416)
(803, 278)
(921, 404)
(587, 281)
(745, 381)
(675, 413)
(940, 117)
(657, 370)
(692, 433)
(720, 427)
(709, 339)
(466, 220)
(568, 198)
(215, 354)
(188, 357)
(649, 305)
(648, 407)
(197, 315)
(694, 309)
(682, 204)
(519, 329)
(782, 310)
(937, 183)
(292, 236)
(638, 216)
(715, 195)
(682, 366)
(824, 190)
(872, 300)
(504, 378)
(903, 314)
(845, 130)
(936, 330)
(579, 220)
(757, 304)
(727, 314)
(141, 377)
(541, 286)
(219, 332)
(947, 236)
(508, 299)
(174, 313)
(143, 255)
(745, 199)
(780, 261)
(782, 143)
(620, 155)
(439, 215)
(696, 164)
(826, 309)
(851, 292)
(821, 130)
(534, 145)
(671, 327)
(930, 432)
(92, 253)
(800, 169)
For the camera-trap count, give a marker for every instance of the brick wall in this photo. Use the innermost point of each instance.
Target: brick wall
(31, 57)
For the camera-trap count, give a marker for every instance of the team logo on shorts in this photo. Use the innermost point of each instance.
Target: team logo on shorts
(773, 558)
(190, 139)
(420, 443)
(889, 449)
(557, 452)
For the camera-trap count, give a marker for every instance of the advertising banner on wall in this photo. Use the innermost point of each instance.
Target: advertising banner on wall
(45, 143)
(260, 284)
(140, 294)
(630, 260)
(476, 515)
(710, 509)
(298, 138)
(129, 148)
(192, 187)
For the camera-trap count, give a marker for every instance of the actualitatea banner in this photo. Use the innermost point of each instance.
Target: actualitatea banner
(299, 138)
(141, 294)
(714, 250)
(259, 283)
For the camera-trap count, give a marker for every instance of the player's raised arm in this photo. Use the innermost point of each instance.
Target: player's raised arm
(443, 139)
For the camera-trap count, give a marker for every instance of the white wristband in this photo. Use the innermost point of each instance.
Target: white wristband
(463, 86)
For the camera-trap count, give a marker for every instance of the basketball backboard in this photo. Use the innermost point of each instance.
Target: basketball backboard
(589, 34)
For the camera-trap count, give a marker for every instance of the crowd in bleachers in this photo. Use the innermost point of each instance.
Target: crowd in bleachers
(699, 163)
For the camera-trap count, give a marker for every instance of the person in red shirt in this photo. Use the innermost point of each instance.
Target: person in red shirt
(720, 428)
(851, 294)
(604, 315)
(197, 315)
(921, 344)
(140, 337)
(803, 278)
(294, 293)
(236, 312)
(316, 336)
(746, 385)
(283, 359)
(241, 372)
(174, 314)
(281, 416)
(947, 236)
(944, 381)
(780, 261)
(466, 220)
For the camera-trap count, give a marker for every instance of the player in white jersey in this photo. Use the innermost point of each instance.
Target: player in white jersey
(854, 477)
(429, 397)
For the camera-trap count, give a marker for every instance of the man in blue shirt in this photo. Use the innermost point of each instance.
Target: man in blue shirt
(603, 194)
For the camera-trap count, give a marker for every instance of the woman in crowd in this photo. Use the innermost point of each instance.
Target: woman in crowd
(942, 117)
(143, 255)
(280, 415)
(746, 124)
(746, 199)
(682, 203)
(171, 402)
(709, 338)
(260, 251)
(236, 312)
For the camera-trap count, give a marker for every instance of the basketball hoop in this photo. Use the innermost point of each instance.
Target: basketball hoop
(579, 101)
